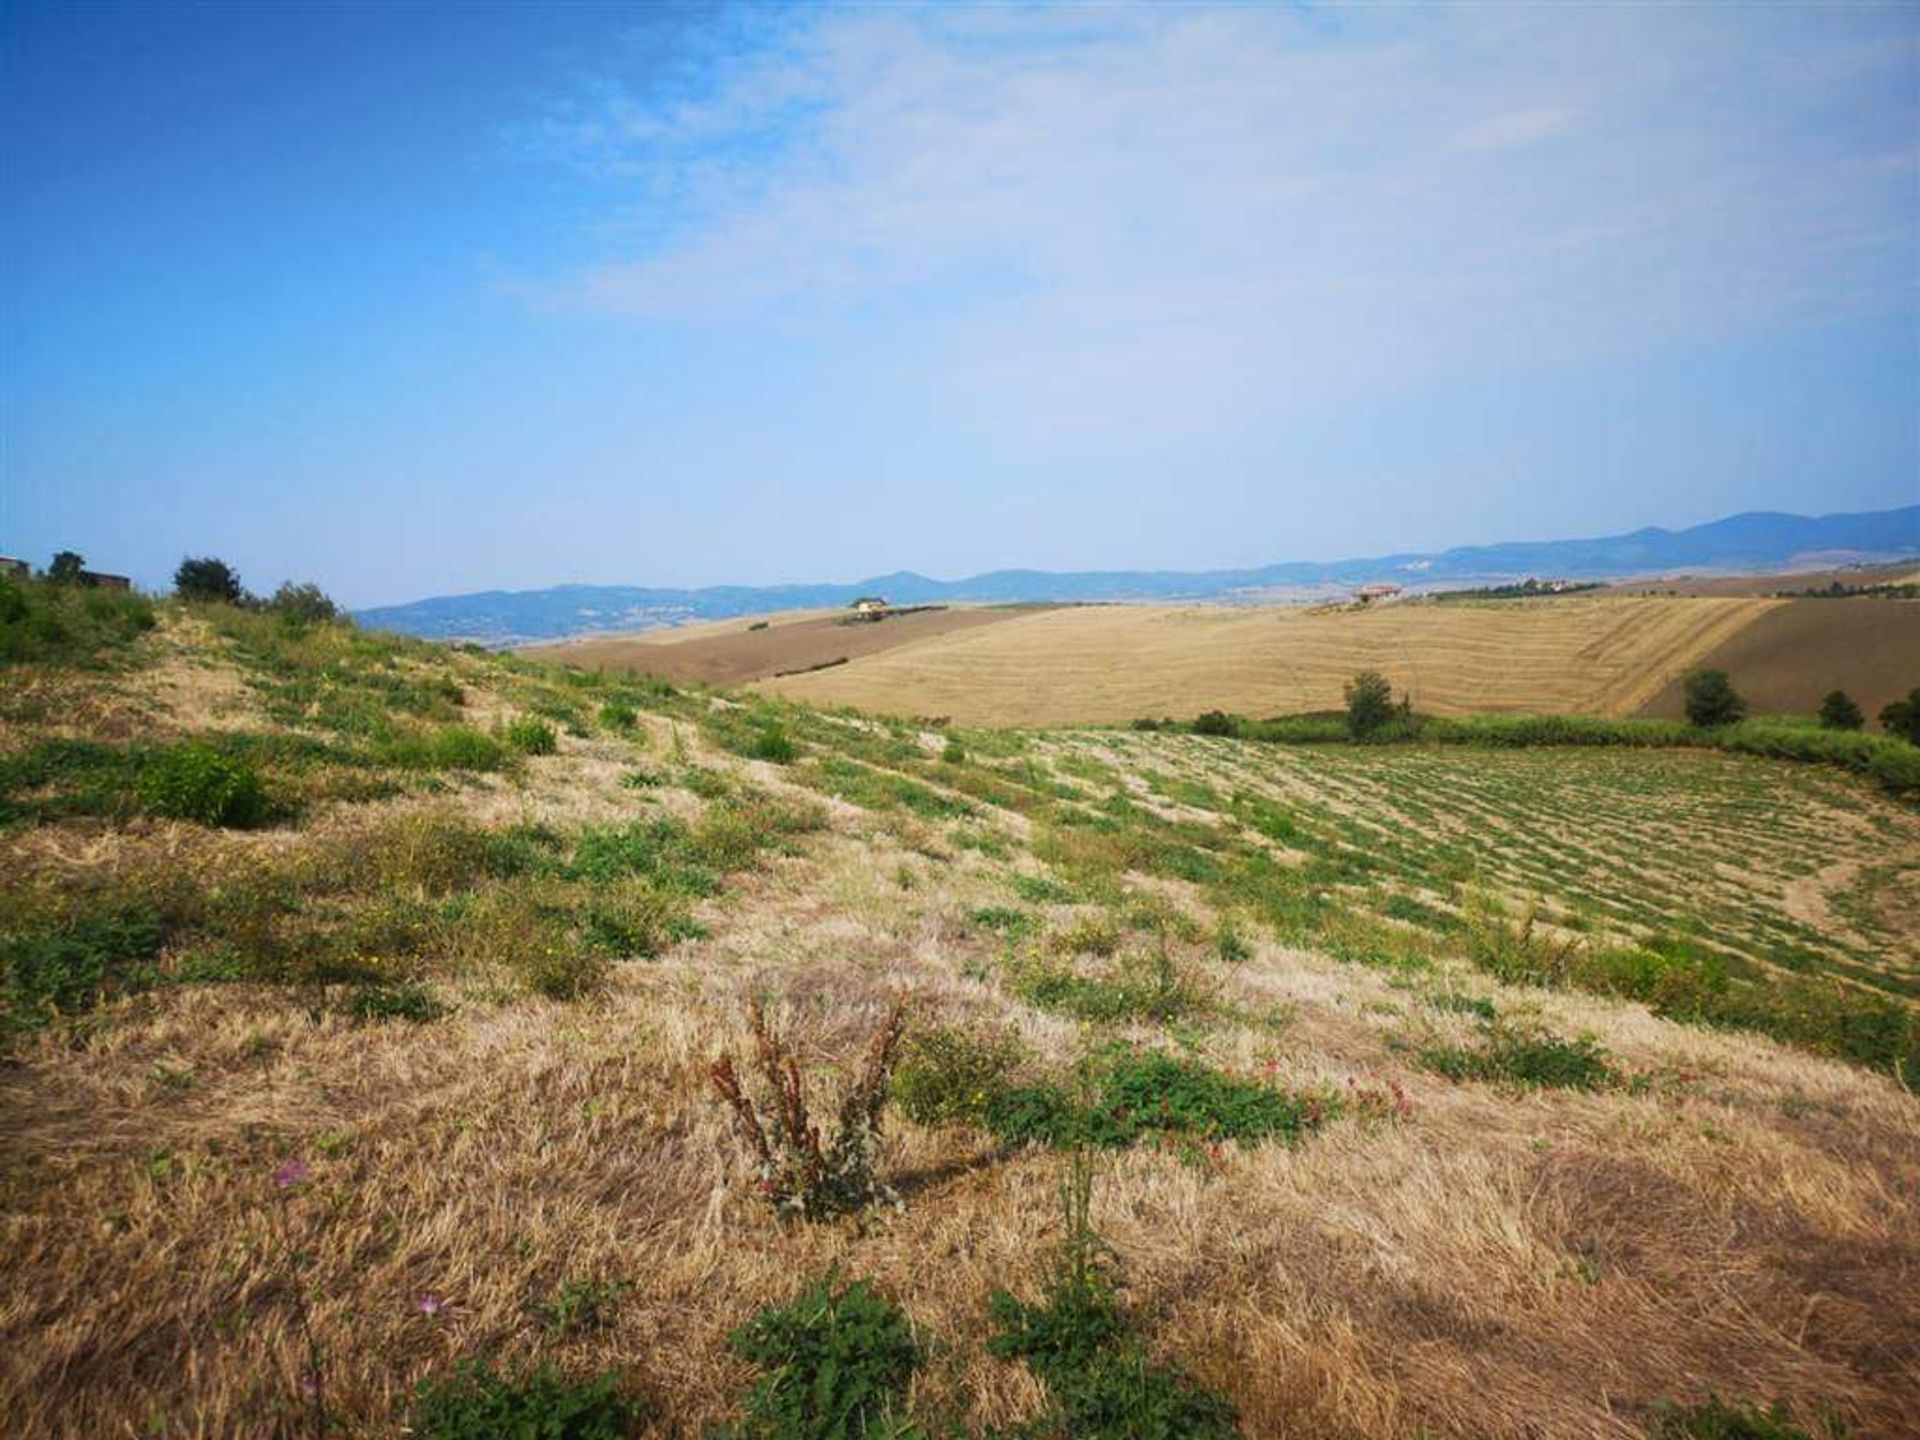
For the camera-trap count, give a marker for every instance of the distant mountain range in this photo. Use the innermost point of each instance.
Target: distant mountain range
(1755, 541)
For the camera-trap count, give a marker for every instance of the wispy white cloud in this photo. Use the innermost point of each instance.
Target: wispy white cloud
(1085, 219)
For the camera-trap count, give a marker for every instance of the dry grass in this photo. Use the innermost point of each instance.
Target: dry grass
(1743, 1217)
(1107, 664)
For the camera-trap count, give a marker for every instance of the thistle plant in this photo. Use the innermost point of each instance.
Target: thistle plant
(799, 1174)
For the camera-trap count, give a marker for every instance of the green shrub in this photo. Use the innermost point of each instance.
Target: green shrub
(835, 1362)
(772, 743)
(393, 1002)
(67, 965)
(576, 1306)
(615, 715)
(305, 604)
(452, 747)
(1711, 700)
(954, 752)
(1902, 718)
(1150, 987)
(198, 783)
(1534, 1059)
(476, 1402)
(951, 1073)
(1714, 1419)
(1216, 722)
(1839, 711)
(1136, 1094)
(531, 735)
(1003, 920)
(67, 624)
(208, 580)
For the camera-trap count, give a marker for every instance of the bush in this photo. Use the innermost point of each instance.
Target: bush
(1711, 700)
(67, 966)
(66, 624)
(1133, 1095)
(1839, 711)
(304, 604)
(478, 1403)
(796, 1174)
(949, 1073)
(1369, 697)
(1902, 718)
(207, 579)
(773, 744)
(1215, 722)
(531, 735)
(67, 567)
(198, 783)
(1142, 988)
(1533, 1059)
(836, 1362)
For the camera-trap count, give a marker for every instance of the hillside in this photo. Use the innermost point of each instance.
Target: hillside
(1598, 655)
(1749, 542)
(362, 1000)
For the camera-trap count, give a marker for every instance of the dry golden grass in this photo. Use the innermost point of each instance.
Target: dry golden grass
(1599, 655)
(1745, 1218)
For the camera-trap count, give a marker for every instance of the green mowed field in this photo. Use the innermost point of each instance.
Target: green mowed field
(1764, 865)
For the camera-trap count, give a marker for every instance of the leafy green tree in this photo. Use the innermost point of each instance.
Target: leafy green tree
(1369, 704)
(1839, 712)
(1712, 700)
(67, 567)
(1902, 718)
(207, 579)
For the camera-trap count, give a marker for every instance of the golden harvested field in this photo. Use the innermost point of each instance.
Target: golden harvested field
(416, 1068)
(732, 652)
(1597, 655)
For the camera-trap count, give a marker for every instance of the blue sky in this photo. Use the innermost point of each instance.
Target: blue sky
(420, 299)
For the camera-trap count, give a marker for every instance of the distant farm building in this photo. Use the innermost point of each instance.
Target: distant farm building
(869, 605)
(15, 569)
(1367, 594)
(105, 582)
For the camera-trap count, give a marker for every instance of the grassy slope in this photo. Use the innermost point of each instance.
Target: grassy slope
(1732, 1214)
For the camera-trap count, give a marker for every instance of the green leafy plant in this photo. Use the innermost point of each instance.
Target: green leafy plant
(477, 1402)
(576, 1306)
(531, 735)
(835, 1360)
(196, 782)
(773, 744)
(1840, 711)
(952, 1073)
(1536, 1059)
(1100, 1378)
(795, 1172)
(1129, 1095)
(619, 716)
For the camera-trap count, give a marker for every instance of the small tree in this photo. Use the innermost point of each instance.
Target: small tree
(1838, 712)
(305, 604)
(1369, 704)
(1712, 700)
(67, 567)
(207, 579)
(1902, 718)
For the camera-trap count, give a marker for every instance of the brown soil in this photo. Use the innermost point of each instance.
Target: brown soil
(1790, 657)
(737, 654)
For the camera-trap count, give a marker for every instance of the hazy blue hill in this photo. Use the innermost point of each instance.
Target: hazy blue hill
(1757, 540)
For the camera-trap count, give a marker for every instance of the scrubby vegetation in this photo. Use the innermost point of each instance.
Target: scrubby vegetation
(1360, 1033)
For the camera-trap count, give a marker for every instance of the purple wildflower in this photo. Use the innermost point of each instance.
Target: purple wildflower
(294, 1172)
(430, 1303)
